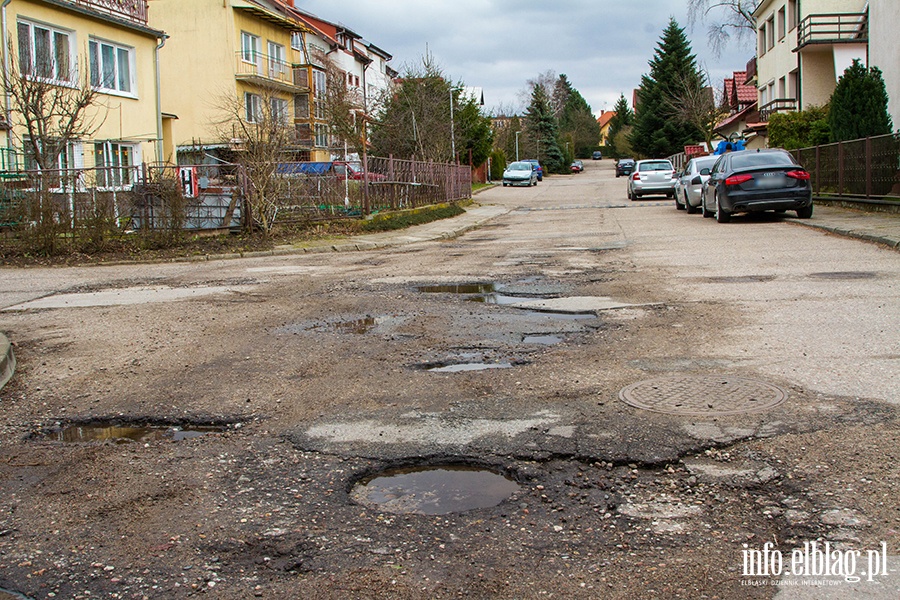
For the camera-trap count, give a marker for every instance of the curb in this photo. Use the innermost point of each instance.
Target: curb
(892, 243)
(7, 361)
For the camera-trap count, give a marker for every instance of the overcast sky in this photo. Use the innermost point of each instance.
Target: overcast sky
(603, 46)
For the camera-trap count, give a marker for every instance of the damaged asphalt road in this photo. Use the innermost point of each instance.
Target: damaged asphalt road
(659, 411)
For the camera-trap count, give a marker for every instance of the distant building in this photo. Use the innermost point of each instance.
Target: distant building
(604, 121)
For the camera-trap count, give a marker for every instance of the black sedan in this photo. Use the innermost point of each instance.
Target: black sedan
(624, 166)
(748, 181)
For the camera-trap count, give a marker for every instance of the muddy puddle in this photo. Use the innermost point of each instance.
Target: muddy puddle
(8, 595)
(458, 288)
(435, 490)
(542, 340)
(123, 433)
(473, 366)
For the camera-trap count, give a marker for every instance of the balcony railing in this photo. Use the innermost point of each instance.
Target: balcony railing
(130, 10)
(776, 106)
(267, 69)
(833, 29)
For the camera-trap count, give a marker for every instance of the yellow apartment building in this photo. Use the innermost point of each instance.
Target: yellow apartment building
(106, 42)
(225, 55)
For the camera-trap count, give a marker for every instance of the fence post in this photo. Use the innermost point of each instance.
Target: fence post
(868, 167)
(818, 175)
(840, 168)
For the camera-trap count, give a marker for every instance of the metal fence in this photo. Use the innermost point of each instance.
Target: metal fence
(865, 168)
(65, 205)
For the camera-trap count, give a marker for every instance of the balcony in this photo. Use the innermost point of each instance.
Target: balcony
(751, 72)
(776, 106)
(267, 71)
(129, 10)
(834, 28)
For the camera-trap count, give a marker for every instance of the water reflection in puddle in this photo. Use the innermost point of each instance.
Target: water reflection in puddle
(502, 299)
(357, 326)
(545, 340)
(458, 288)
(469, 367)
(434, 490)
(127, 433)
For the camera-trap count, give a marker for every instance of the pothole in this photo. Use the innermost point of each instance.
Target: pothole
(542, 340)
(10, 595)
(741, 279)
(460, 367)
(434, 490)
(124, 433)
(458, 288)
(701, 396)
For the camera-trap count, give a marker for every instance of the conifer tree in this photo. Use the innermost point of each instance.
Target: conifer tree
(623, 119)
(859, 105)
(577, 124)
(542, 128)
(657, 131)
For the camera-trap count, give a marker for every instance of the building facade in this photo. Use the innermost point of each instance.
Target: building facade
(105, 44)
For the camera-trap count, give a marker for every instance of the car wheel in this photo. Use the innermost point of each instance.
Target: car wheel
(505, 184)
(722, 216)
(691, 210)
(805, 213)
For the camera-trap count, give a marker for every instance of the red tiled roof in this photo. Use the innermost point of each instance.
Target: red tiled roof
(745, 93)
(605, 118)
(738, 116)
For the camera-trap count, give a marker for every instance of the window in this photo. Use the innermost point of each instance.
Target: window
(793, 87)
(319, 90)
(276, 60)
(115, 162)
(321, 135)
(781, 24)
(763, 96)
(279, 109)
(111, 66)
(770, 33)
(782, 87)
(249, 48)
(252, 108)
(792, 16)
(46, 52)
(301, 106)
(297, 41)
(762, 39)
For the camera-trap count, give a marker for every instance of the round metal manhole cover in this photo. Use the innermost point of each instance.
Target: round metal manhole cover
(680, 395)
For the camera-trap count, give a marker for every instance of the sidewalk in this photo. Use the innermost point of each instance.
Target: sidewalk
(880, 227)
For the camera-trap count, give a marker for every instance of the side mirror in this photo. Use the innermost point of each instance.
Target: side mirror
(704, 171)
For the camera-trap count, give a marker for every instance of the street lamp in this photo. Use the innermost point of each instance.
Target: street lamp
(517, 145)
(452, 129)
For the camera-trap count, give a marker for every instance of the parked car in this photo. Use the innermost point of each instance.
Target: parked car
(537, 167)
(520, 173)
(354, 170)
(690, 182)
(577, 166)
(597, 155)
(624, 166)
(656, 176)
(742, 182)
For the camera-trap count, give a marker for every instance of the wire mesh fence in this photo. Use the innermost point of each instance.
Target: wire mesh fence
(83, 209)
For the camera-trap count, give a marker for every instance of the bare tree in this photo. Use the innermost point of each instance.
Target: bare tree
(694, 102)
(727, 20)
(51, 104)
(262, 136)
(344, 109)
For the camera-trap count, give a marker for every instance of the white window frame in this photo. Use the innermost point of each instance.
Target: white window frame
(297, 41)
(59, 39)
(277, 59)
(322, 134)
(252, 107)
(116, 162)
(123, 83)
(250, 45)
(278, 108)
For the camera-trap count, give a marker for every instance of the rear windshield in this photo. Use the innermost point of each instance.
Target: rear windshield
(657, 165)
(749, 160)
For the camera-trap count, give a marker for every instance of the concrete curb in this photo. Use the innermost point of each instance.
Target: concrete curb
(7, 361)
(867, 236)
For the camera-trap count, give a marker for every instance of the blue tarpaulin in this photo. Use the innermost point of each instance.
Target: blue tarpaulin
(304, 168)
(724, 147)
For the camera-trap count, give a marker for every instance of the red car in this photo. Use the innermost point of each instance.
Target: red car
(354, 170)
(577, 166)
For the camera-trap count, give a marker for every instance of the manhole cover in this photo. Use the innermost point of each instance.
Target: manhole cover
(721, 395)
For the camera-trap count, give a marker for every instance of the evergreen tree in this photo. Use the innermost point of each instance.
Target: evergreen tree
(623, 119)
(577, 124)
(543, 130)
(657, 132)
(859, 105)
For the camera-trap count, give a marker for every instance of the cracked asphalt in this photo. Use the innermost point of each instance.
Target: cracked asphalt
(321, 370)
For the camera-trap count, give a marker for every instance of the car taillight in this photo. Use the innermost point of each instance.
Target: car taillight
(636, 176)
(738, 179)
(802, 175)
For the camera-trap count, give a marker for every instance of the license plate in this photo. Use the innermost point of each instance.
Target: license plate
(770, 182)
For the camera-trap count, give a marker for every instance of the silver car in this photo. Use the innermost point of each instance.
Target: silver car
(655, 176)
(690, 183)
(520, 173)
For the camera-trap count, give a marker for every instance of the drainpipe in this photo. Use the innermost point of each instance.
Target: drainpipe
(5, 50)
(159, 127)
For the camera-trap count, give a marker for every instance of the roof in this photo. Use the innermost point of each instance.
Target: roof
(604, 119)
(738, 116)
(737, 94)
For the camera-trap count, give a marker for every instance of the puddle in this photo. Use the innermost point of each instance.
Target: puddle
(559, 315)
(9, 595)
(461, 288)
(457, 368)
(357, 326)
(502, 299)
(544, 340)
(437, 490)
(96, 432)
(741, 279)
